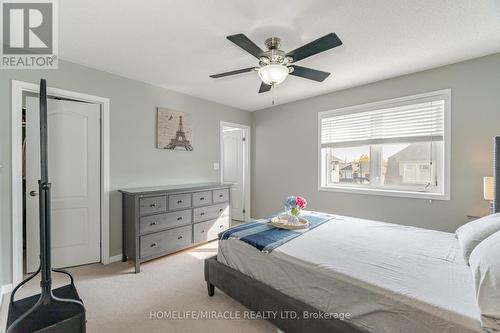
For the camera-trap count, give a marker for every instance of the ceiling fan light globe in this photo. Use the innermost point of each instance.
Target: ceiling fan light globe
(273, 74)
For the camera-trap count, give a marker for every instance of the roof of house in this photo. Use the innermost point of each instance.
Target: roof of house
(417, 151)
(347, 167)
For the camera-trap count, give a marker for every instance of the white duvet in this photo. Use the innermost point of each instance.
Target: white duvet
(389, 278)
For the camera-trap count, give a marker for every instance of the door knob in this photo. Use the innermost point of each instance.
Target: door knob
(33, 193)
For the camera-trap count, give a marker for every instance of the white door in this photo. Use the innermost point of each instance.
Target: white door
(74, 171)
(233, 168)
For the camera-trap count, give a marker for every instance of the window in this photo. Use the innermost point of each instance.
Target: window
(398, 147)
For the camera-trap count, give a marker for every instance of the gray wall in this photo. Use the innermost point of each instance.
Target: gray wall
(134, 159)
(285, 148)
(284, 144)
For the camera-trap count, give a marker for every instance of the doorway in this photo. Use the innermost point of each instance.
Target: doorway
(74, 160)
(235, 167)
(83, 194)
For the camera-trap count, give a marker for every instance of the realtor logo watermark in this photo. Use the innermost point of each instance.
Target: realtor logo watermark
(29, 34)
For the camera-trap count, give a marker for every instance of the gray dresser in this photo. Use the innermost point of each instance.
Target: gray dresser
(162, 220)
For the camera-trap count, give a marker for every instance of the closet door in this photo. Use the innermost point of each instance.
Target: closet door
(74, 171)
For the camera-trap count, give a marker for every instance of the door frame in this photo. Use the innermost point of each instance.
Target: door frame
(247, 160)
(18, 87)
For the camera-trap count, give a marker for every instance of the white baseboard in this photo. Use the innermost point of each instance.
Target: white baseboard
(5, 289)
(4, 308)
(116, 258)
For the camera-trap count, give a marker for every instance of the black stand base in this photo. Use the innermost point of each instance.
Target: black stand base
(53, 317)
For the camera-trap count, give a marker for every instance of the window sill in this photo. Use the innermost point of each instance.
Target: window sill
(386, 192)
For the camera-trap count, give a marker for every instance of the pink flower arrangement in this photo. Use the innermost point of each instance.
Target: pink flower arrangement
(295, 204)
(301, 202)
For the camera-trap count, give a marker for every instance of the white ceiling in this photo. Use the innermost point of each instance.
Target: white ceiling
(177, 44)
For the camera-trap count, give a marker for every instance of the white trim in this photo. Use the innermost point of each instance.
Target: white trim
(4, 290)
(384, 192)
(18, 87)
(247, 156)
(388, 192)
(116, 258)
(17, 187)
(4, 308)
(385, 103)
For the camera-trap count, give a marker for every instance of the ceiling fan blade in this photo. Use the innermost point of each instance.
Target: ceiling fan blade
(319, 45)
(309, 73)
(264, 87)
(238, 71)
(246, 44)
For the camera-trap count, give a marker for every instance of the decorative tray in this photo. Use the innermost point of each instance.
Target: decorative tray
(283, 222)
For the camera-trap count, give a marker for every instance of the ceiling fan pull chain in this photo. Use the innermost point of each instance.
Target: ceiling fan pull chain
(274, 95)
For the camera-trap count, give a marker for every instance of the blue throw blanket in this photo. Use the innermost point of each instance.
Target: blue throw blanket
(265, 237)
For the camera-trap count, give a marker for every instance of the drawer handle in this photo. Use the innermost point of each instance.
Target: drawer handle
(180, 237)
(202, 231)
(152, 205)
(154, 245)
(153, 223)
(202, 213)
(179, 218)
(221, 210)
(202, 198)
(179, 201)
(221, 195)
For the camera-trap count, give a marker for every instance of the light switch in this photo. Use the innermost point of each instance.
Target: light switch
(216, 166)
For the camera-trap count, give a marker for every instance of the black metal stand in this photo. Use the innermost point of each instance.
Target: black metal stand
(61, 309)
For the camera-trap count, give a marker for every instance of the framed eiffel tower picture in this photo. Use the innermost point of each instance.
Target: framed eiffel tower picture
(173, 130)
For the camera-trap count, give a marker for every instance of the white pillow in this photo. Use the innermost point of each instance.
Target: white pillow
(485, 266)
(471, 234)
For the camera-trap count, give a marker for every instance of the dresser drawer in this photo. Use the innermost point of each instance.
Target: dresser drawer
(165, 241)
(164, 221)
(210, 212)
(207, 231)
(152, 205)
(202, 198)
(221, 210)
(179, 201)
(221, 195)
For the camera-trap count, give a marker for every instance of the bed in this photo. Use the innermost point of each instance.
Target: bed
(385, 277)
(390, 278)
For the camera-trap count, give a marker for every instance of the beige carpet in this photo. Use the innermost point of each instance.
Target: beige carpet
(117, 300)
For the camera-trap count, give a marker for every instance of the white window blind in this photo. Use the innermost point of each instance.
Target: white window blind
(418, 121)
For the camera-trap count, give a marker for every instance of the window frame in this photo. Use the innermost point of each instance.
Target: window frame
(444, 94)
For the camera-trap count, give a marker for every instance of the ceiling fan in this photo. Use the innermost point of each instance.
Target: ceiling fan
(275, 64)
